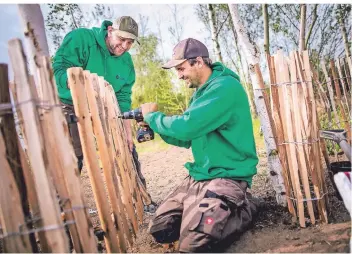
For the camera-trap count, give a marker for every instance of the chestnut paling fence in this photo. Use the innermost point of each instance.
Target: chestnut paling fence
(41, 195)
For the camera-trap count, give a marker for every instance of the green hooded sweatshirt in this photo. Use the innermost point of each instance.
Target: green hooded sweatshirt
(86, 48)
(218, 127)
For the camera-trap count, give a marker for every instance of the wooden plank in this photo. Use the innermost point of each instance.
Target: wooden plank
(116, 135)
(32, 198)
(282, 76)
(11, 214)
(8, 130)
(107, 161)
(331, 93)
(77, 85)
(280, 138)
(64, 162)
(137, 189)
(28, 177)
(313, 135)
(118, 184)
(299, 137)
(57, 239)
(344, 88)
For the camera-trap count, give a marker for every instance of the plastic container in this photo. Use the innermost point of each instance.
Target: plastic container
(336, 167)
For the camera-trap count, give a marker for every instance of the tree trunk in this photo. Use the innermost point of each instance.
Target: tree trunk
(34, 31)
(344, 35)
(266, 30)
(214, 37)
(315, 17)
(302, 30)
(253, 55)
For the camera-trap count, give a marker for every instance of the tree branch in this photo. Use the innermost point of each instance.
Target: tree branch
(222, 24)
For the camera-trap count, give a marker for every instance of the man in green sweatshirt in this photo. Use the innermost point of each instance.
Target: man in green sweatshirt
(211, 204)
(103, 51)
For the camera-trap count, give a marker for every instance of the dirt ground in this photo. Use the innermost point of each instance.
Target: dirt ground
(272, 231)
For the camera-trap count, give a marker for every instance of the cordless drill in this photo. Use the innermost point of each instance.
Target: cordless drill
(144, 133)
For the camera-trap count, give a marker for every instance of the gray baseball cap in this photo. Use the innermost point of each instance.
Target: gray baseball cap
(126, 27)
(186, 49)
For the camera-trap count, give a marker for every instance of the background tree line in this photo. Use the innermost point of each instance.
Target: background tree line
(323, 29)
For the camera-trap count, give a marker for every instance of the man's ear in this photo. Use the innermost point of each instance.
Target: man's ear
(110, 29)
(200, 62)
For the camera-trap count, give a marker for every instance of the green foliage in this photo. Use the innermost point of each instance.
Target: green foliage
(154, 84)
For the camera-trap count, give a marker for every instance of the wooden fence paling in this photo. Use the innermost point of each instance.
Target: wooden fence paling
(316, 169)
(11, 214)
(347, 73)
(8, 129)
(331, 92)
(77, 86)
(347, 98)
(107, 163)
(57, 239)
(280, 138)
(113, 121)
(339, 102)
(32, 198)
(55, 167)
(132, 173)
(28, 177)
(65, 161)
(299, 137)
(101, 98)
(282, 76)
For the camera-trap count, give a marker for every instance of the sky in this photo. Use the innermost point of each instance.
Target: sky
(192, 26)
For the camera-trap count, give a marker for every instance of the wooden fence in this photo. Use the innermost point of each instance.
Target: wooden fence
(40, 189)
(294, 86)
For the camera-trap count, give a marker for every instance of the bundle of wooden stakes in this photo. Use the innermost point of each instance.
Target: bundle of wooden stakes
(40, 181)
(294, 116)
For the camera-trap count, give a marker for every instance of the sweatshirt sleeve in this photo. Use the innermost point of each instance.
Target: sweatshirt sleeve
(207, 113)
(124, 95)
(72, 53)
(176, 142)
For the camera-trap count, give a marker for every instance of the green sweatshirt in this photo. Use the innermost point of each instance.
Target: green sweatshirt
(86, 48)
(218, 127)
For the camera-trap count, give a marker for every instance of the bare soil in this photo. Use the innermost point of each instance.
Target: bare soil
(272, 231)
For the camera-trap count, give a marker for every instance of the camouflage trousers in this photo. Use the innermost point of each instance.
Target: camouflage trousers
(202, 214)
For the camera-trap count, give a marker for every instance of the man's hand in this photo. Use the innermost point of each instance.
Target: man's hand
(149, 107)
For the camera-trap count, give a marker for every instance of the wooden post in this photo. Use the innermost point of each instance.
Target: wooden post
(77, 86)
(57, 239)
(312, 132)
(296, 100)
(280, 138)
(8, 130)
(91, 81)
(120, 156)
(101, 99)
(285, 94)
(64, 162)
(11, 214)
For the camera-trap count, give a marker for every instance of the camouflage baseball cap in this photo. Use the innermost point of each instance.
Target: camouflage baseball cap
(186, 49)
(126, 27)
